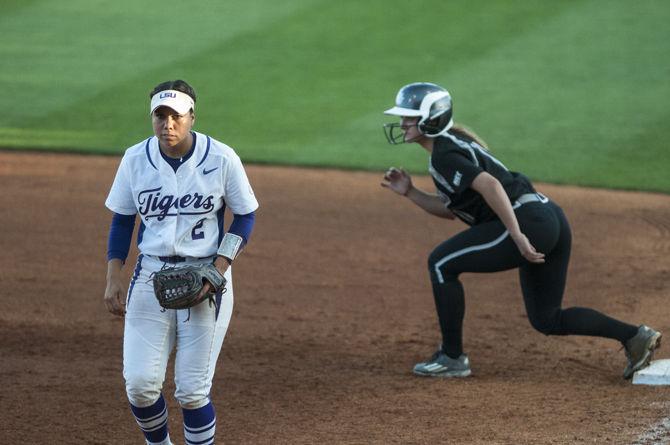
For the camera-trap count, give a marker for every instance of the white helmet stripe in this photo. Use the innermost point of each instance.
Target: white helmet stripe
(429, 100)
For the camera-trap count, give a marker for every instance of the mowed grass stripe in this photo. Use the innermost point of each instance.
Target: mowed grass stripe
(59, 53)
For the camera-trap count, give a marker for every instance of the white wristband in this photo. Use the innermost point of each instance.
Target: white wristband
(230, 246)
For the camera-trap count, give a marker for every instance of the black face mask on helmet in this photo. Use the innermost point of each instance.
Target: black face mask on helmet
(429, 102)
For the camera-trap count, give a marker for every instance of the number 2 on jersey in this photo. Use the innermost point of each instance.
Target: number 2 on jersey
(197, 232)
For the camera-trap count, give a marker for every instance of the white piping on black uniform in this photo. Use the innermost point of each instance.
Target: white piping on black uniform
(470, 148)
(444, 197)
(439, 178)
(465, 216)
(461, 252)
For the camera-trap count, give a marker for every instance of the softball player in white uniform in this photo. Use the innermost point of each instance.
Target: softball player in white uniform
(179, 183)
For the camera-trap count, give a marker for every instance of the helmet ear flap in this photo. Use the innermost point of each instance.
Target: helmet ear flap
(425, 127)
(437, 114)
(433, 127)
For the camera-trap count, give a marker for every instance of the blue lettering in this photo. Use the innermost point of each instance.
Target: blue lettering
(197, 233)
(146, 197)
(165, 205)
(152, 205)
(208, 205)
(198, 200)
(167, 95)
(185, 201)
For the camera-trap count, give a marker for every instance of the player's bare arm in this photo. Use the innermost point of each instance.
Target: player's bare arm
(430, 202)
(114, 291)
(400, 182)
(494, 195)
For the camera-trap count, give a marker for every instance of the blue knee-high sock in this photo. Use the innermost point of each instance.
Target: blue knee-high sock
(200, 425)
(153, 420)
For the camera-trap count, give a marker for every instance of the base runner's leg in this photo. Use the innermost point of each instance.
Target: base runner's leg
(543, 286)
(483, 248)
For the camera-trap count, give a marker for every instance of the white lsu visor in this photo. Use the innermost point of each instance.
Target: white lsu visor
(178, 101)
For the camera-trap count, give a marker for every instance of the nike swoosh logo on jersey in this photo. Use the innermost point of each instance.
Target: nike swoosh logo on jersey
(206, 172)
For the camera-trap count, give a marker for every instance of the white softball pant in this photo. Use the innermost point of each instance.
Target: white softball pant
(151, 333)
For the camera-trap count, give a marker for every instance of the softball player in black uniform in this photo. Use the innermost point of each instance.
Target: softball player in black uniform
(511, 226)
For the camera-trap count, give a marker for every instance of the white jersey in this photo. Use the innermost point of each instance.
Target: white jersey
(181, 212)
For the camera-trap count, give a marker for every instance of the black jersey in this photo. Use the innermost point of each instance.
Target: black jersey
(455, 162)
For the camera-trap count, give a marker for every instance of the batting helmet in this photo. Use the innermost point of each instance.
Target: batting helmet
(428, 101)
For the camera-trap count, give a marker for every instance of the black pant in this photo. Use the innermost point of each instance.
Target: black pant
(488, 247)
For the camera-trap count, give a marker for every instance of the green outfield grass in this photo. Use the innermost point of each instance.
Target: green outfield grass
(574, 91)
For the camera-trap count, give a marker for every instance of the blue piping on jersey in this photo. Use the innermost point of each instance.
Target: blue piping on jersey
(140, 233)
(206, 153)
(136, 274)
(175, 163)
(146, 147)
(219, 220)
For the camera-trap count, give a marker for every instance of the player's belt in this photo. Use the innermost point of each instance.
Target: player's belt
(172, 259)
(529, 197)
(180, 259)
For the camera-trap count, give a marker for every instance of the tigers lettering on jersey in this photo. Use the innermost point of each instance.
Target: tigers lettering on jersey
(150, 201)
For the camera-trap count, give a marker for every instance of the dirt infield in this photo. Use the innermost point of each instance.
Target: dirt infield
(333, 308)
